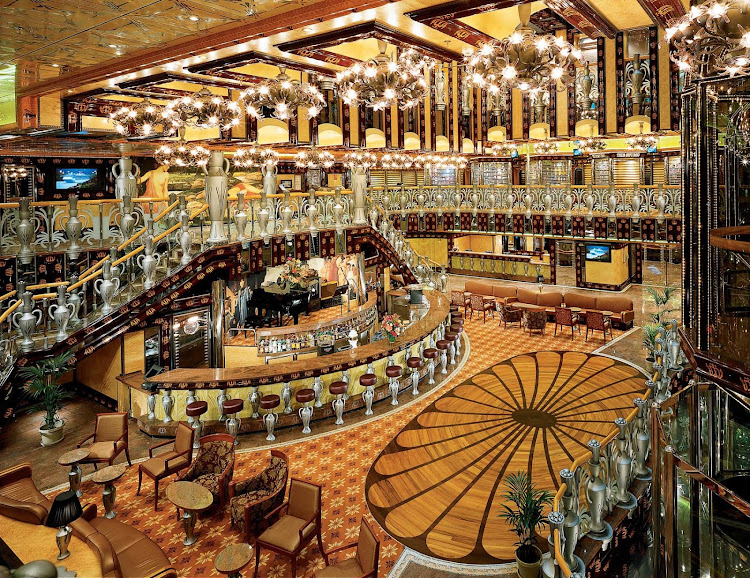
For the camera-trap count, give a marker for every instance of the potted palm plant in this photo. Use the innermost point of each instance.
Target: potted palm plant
(524, 517)
(43, 387)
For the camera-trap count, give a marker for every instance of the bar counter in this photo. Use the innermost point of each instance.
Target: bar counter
(181, 386)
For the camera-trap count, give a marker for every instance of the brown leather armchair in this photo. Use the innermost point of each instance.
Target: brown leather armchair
(110, 439)
(292, 532)
(19, 497)
(213, 467)
(364, 564)
(251, 500)
(170, 462)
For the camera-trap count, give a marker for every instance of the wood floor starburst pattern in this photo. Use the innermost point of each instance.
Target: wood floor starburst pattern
(437, 487)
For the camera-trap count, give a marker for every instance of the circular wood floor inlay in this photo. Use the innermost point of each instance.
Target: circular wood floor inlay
(437, 486)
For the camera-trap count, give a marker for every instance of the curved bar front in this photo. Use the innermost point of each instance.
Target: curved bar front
(178, 387)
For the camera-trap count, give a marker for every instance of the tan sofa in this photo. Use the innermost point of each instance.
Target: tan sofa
(122, 550)
(621, 307)
(503, 293)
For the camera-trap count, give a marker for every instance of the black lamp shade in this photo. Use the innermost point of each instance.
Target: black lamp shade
(65, 509)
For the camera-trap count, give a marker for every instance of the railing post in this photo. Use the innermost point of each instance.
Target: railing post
(572, 526)
(596, 495)
(359, 191)
(25, 231)
(216, 195)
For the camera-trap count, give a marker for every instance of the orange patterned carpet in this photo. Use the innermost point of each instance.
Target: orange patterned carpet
(339, 461)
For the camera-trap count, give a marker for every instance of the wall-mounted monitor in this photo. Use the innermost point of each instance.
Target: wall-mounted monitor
(601, 253)
(83, 179)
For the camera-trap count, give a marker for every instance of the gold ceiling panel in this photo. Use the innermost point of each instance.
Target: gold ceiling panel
(623, 15)
(499, 23)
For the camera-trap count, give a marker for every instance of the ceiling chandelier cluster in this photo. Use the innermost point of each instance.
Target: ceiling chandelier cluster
(396, 161)
(443, 161)
(545, 147)
(206, 110)
(255, 156)
(314, 158)
(712, 39)
(144, 119)
(591, 144)
(524, 60)
(363, 159)
(12, 173)
(504, 149)
(182, 154)
(380, 83)
(284, 95)
(642, 142)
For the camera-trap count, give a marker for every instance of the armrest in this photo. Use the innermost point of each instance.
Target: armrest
(166, 463)
(159, 445)
(314, 518)
(89, 512)
(628, 316)
(23, 511)
(340, 548)
(275, 511)
(249, 485)
(511, 299)
(84, 440)
(105, 552)
(15, 473)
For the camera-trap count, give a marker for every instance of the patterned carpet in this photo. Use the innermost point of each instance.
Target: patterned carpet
(339, 461)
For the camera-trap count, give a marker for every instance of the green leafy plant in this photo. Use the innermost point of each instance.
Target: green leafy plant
(650, 333)
(43, 386)
(527, 513)
(661, 298)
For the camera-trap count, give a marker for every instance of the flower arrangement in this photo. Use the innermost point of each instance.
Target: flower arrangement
(392, 326)
(295, 272)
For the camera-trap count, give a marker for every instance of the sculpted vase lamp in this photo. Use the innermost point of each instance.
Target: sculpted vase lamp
(65, 510)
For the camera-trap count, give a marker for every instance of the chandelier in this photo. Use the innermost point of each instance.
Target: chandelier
(380, 83)
(14, 173)
(443, 161)
(504, 149)
(545, 147)
(642, 142)
(591, 144)
(364, 159)
(314, 158)
(284, 96)
(255, 156)
(182, 154)
(396, 162)
(524, 60)
(712, 38)
(144, 119)
(205, 110)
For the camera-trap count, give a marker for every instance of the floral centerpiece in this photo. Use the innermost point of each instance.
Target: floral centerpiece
(295, 273)
(392, 326)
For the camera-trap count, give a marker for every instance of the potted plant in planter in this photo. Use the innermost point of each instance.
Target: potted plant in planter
(524, 517)
(43, 387)
(650, 333)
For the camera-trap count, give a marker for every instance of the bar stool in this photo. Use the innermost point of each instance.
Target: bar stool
(451, 337)
(305, 397)
(270, 402)
(456, 328)
(368, 381)
(254, 400)
(443, 346)
(415, 364)
(195, 410)
(231, 408)
(338, 388)
(394, 373)
(431, 355)
(458, 321)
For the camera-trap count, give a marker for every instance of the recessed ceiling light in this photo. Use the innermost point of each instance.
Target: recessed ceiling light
(308, 29)
(112, 45)
(193, 18)
(56, 65)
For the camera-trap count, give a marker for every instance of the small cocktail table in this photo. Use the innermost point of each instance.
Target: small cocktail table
(72, 458)
(106, 476)
(232, 559)
(192, 498)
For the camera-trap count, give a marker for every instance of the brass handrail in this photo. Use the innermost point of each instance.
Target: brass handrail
(10, 310)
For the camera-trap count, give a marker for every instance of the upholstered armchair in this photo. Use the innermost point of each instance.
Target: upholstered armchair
(213, 467)
(169, 462)
(564, 317)
(595, 321)
(480, 305)
(295, 530)
(510, 315)
(459, 299)
(251, 500)
(364, 564)
(19, 497)
(536, 320)
(110, 439)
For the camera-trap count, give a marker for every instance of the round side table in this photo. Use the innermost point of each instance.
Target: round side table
(192, 498)
(72, 458)
(232, 559)
(106, 476)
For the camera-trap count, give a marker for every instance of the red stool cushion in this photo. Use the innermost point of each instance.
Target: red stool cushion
(394, 371)
(338, 388)
(305, 395)
(231, 406)
(414, 362)
(450, 336)
(431, 353)
(270, 401)
(196, 408)
(368, 380)
(457, 328)
(443, 344)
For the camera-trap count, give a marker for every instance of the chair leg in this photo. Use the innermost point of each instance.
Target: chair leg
(587, 333)
(156, 494)
(140, 477)
(257, 558)
(294, 566)
(571, 332)
(555, 329)
(127, 455)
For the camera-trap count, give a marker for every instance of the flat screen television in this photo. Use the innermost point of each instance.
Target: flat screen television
(84, 179)
(600, 253)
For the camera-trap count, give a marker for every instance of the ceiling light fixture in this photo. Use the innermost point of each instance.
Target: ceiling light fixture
(545, 147)
(255, 156)
(591, 144)
(380, 83)
(182, 154)
(284, 96)
(314, 158)
(206, 110)
(144, 119)
(442, 161)
(642, 141)
(396, 162)
(524, 60)
(504, 149)
(364, 159)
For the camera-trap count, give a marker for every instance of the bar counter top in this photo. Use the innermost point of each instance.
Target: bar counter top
(219, 378)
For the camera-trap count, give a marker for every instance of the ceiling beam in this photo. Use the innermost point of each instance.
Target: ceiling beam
(581, 15)
(151, 83)
(663, 12)
(461, 9)
(222, 65)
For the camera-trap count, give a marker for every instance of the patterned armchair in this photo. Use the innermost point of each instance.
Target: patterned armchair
(459, 299)
(251, 500)
(477, 303)
(595, 321)
(565, 317)
(213, 466)
(536, 320)
(509, 315)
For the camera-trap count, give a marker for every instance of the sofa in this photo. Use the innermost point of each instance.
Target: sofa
(503, 293)
(621, 307)
(122, 550)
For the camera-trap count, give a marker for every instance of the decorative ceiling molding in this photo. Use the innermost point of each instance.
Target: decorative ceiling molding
(222, 67)
(548, 21)
(663, 12)
(151, 83)
(458, 30)
(460, 9)
(326, 56)
(372, 29)
(581, 15)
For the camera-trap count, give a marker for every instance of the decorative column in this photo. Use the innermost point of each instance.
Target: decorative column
(25, 231)
(218, 293)
(269, 173)
(126, 178)
(359, 191)
(216, 195)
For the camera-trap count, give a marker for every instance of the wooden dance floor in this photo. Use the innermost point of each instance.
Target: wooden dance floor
(436, 488)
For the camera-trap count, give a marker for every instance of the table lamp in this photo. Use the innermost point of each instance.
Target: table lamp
(65, 509)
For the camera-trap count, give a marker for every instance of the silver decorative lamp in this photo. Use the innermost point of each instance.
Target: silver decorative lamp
(65, 510)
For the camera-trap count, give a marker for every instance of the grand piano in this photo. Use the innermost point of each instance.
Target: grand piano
(272, 302)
